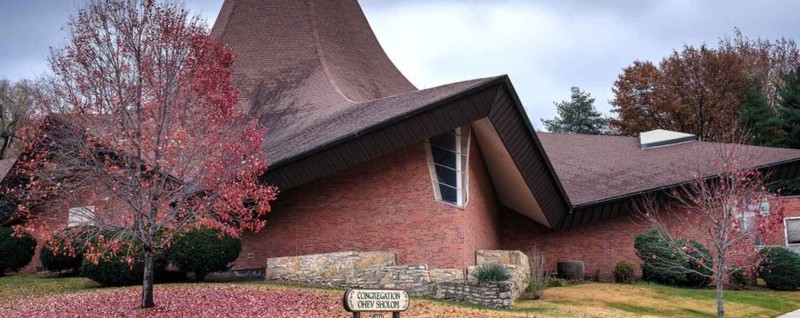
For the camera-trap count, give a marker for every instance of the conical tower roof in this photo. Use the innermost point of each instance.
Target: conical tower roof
(302, 61)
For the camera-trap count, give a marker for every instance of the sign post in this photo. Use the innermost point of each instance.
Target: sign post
(358, 300)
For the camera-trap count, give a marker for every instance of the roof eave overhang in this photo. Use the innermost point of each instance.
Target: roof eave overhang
(495, 100)
(607, 208)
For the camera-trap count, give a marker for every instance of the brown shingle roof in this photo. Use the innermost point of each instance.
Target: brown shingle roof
(593, 168)
(5, 167)
(304, 63)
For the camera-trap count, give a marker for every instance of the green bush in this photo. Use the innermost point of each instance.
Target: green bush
(491, 273)
(739, 278)
(203, 251)
(780, 268)
(64, 252)
(623, 272)
(700, 275)
(663, 265)
(15, 252)
(558, 282)
(114, 270)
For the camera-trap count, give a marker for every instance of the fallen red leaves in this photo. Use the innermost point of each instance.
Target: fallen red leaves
(212, 300)
(186, 301)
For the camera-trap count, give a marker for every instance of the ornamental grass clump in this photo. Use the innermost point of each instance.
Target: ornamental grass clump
(491, 273)
(623, 272)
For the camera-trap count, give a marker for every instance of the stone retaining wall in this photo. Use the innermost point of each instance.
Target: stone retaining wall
(379, 270)
(332, 269)
(492, 294)
(515, 262)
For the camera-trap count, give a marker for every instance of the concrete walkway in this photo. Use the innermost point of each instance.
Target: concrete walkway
(793, 314)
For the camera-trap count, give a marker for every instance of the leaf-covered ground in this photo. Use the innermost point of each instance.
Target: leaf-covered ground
(199, 300)
(36, 296)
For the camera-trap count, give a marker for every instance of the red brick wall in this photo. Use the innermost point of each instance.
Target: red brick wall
(481, 222)
(598, 245)
(386, 204)
(602, 244)
(791, 208)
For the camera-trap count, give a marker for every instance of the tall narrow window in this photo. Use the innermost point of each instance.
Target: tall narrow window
(447, 159)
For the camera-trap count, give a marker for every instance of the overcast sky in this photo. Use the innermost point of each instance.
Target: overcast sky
(546, 47)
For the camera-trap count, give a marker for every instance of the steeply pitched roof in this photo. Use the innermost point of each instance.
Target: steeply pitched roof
(594, 168)
(304, 63)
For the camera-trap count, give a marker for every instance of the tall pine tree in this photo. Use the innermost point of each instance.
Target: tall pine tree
(577, 115)
(759, 119)
(789, 101)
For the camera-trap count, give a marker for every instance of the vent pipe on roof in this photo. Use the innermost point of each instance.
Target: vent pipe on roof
(662, 138)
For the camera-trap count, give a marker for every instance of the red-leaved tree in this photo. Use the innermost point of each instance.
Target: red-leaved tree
(726, 208)
(142, 129)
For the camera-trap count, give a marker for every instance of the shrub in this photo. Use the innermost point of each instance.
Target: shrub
(780, 268)
(661, 264)
(15, 251)
(491, 273)
(558, 282)
(115, 270)
(64, 251)
(623, 272)
(700, 265)
(739, 278)
(202, 251)
(538, 276)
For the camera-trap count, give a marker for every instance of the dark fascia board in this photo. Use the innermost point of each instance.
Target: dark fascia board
(383, 124)
(307, 166)
(554, 176)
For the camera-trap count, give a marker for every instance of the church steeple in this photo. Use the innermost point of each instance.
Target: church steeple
(299, 61)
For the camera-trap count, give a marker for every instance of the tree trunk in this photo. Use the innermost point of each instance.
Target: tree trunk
(720, 276)
(720, 305)
(147, 283)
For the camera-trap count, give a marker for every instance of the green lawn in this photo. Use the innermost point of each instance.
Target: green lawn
(583, 300)
(18, 286)
(636, 300)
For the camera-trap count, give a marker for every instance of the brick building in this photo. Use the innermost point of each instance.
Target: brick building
(367, 162)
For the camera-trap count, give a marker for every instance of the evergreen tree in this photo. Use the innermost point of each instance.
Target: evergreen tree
(577, 115)
(759, 119)
(789, 102)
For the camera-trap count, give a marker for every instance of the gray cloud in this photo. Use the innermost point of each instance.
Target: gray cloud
(546, 47)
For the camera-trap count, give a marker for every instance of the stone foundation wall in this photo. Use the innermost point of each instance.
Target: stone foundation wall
(492, 294)
(339, 269)
(379, 270)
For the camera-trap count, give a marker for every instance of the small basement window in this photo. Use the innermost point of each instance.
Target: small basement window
(78, 216)
(792, 231)
(447, 161)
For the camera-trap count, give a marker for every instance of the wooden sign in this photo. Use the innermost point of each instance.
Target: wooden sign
(358, 300)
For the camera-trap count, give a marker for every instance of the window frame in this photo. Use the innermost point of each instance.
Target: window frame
(462, 135)
(84, 216)
(786, 230)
